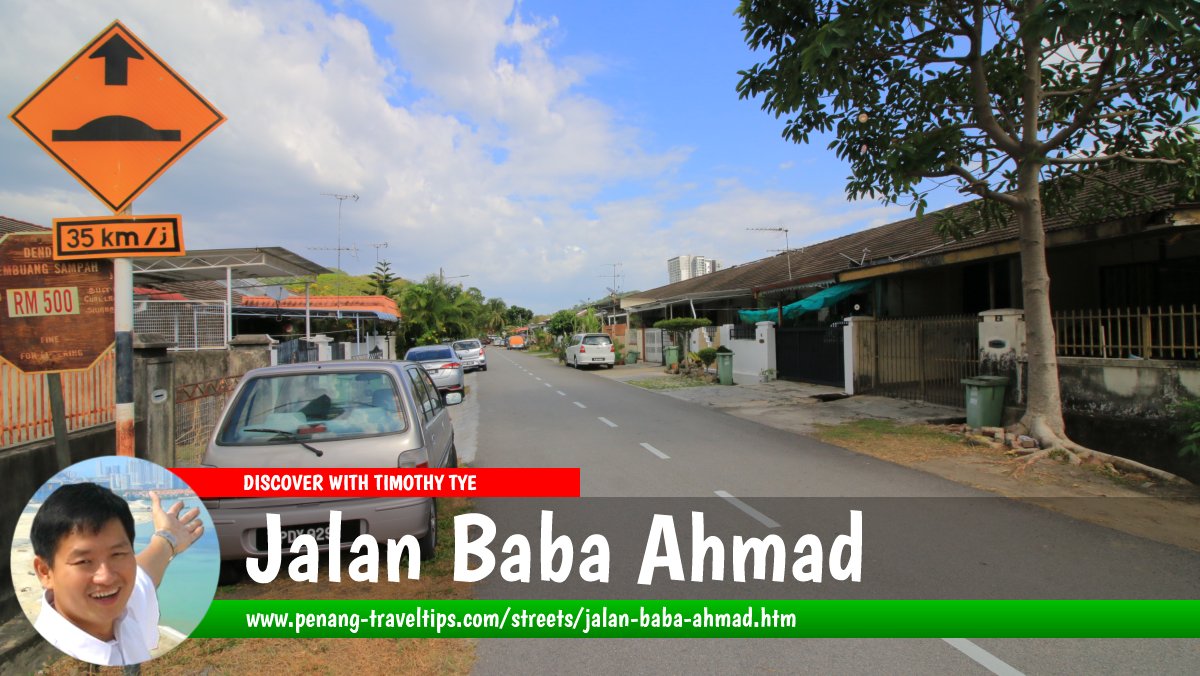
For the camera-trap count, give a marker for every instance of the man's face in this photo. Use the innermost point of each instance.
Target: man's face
(91, 577)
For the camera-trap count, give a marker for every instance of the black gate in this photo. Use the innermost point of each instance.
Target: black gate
(811, 354)
(295, 351)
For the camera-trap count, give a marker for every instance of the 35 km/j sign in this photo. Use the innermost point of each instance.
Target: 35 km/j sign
(117, 237)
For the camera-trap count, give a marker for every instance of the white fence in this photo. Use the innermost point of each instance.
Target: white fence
(190, 324)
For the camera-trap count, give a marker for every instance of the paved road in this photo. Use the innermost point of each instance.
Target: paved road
(642, 453)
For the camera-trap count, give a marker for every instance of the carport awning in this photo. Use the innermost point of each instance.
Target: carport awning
(820, 299)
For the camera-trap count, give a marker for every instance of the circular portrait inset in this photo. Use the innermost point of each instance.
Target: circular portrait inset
(115, 561)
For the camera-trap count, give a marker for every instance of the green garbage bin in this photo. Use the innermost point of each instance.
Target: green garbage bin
(631, 356)
(671, 352)
(725, 368)
(985, 400)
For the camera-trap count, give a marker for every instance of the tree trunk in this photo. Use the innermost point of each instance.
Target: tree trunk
(1043, 412)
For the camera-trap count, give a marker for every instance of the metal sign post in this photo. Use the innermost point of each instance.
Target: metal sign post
(116, 117)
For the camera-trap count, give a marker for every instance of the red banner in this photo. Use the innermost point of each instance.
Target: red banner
(492, 482)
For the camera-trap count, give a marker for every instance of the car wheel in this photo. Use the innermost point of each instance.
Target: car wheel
(452, 461)
(608, 366)
(231, 572)
(428, 543)
(483, 369)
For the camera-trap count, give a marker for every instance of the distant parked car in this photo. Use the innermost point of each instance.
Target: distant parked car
(591, 349)
(330, 415)
(471, 353)
(441, 363)
(516, 342)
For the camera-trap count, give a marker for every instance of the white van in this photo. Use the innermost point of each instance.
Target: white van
(591, 349)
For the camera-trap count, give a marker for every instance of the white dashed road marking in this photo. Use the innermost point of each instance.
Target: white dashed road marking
(579, 404)
(655, 451)
(984, 658)
(608, 422)
(754, 513)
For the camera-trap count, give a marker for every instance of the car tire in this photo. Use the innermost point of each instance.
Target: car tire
(428, 543)
(608, 366)
(452, 460)
(231, 572)
(483, 369)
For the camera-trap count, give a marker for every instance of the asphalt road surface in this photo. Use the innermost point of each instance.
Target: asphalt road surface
(642, 453)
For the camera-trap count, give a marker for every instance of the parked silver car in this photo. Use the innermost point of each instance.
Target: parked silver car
(441, 363)
(472, 354)
(591, 349)
(327, 415)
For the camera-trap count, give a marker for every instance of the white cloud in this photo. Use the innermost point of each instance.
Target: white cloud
(469, 142)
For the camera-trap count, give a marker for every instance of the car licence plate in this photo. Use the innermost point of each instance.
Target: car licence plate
(320, 531)
(598, 359)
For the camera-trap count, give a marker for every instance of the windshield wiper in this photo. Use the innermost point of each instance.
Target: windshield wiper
(292, 436)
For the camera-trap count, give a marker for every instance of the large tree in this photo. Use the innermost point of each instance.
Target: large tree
(995, 96)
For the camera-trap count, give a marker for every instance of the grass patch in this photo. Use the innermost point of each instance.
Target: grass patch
(893, 441)
(668, 383)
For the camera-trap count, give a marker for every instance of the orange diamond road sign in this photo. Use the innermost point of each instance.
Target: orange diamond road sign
(116, 116)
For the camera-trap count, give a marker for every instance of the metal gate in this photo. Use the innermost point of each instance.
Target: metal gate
(654, 346)
(919, 359)
(295, 351)
(811, 354)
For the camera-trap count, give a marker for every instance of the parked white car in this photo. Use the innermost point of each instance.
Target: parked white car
(591, 349)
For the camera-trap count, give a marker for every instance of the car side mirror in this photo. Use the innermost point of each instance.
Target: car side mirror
(453, 398)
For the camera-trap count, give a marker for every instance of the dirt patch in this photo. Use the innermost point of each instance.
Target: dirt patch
(1126, 502)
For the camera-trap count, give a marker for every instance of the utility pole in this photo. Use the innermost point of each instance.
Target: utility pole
(786, 247)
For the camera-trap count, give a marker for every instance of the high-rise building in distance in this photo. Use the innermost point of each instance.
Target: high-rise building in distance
(680, 268)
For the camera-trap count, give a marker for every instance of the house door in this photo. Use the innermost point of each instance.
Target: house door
(811, 354)
(654, 346)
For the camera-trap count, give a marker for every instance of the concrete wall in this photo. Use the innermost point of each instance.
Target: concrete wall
(244, 353)
(1122, 406)
(751, 357)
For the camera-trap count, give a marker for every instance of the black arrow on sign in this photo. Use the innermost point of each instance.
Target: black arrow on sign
(116, 53)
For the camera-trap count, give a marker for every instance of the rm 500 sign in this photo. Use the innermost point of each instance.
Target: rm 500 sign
(45, 302)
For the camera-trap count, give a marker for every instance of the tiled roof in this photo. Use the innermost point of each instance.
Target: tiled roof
(10, 225)
(909, 238)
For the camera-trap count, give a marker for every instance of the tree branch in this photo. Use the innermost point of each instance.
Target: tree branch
(982, 100)
(974, 185)
(1083, 116)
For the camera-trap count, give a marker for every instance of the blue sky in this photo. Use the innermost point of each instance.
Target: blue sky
(528, 145)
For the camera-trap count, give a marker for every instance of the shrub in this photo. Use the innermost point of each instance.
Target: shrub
(707, 356)
(1186, 414)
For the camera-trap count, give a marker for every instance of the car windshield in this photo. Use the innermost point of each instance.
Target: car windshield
(430, 353)
(324, 406)
(597, 340)
(467, 345)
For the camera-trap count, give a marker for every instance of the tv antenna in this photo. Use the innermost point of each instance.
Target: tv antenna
(339, 248)
(381, 245)
(786, 247)
(614, 289)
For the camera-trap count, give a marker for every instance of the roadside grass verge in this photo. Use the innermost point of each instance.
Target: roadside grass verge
(327, 656)
(891, 440)
(668, 383)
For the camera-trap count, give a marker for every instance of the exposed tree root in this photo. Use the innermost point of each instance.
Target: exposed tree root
(1053, 443)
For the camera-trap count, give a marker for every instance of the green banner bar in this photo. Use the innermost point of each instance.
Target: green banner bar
(702, 619)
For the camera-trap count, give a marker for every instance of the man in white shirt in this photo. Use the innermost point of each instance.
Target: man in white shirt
(99, 602)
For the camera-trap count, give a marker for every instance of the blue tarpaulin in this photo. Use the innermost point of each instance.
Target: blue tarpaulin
(820, 299)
